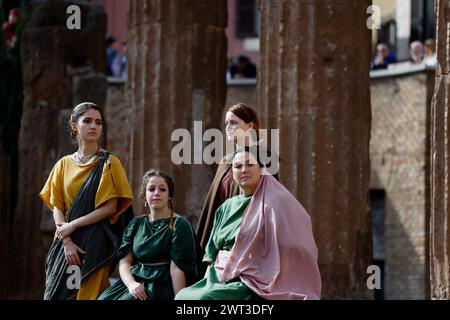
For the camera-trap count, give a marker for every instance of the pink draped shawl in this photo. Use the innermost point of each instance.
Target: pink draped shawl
(274, 254)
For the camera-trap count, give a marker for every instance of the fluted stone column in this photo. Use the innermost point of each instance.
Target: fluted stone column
(313, 84)
(51, 56)
(440, 184)
(176, 75)
(5, 202)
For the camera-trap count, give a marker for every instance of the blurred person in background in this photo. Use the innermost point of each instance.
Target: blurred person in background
(243, 68)
(383, 57)
(416, 51)
(430, 52)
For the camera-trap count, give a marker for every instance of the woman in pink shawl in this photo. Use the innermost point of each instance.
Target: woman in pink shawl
(261, 244)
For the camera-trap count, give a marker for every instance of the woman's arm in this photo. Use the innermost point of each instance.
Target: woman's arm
(105, 210)
(178, 278)
(60, 220)
(135, 288)
(71, 250)
(58, 216)
(125, 269)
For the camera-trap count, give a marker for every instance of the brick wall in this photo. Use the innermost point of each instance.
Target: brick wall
(398, 166)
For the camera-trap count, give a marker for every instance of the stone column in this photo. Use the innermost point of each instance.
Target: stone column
(431, 76)
(176, 75)
(439, 152)
(403, 28)
(5, 194)
(313, 84)
(50, 54)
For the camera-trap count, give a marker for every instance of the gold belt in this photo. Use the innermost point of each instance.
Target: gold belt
(161, 263)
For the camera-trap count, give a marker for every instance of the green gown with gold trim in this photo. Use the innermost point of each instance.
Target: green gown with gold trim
(153, 246)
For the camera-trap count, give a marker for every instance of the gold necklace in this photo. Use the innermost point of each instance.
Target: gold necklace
(84, 159)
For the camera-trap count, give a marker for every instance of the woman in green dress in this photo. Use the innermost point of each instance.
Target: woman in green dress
(158, 254)
(261, 243)
(226, 225)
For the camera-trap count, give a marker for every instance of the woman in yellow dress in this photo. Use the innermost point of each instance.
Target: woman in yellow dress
(87, 191)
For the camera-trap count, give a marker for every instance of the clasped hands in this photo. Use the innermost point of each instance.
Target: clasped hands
(65, 229)
(71, 250)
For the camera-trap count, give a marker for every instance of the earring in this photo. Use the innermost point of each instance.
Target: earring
(145, 204)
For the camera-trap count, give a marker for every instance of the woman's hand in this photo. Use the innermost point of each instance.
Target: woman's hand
(65, 229)
(71, 251)
(137, 290)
